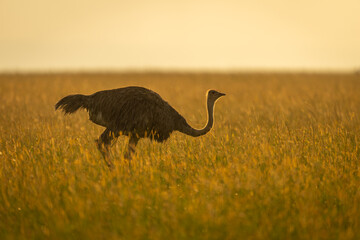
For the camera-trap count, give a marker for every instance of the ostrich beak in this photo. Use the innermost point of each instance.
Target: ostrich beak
(222, 94)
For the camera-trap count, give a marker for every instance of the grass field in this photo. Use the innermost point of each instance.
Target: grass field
(282, 162)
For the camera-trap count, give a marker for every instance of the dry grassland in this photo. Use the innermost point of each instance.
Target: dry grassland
(282, 162)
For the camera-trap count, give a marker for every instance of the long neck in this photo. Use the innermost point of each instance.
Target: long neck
(210, 121)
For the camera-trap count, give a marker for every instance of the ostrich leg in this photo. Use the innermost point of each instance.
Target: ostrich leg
(103, 144)
(133, 140)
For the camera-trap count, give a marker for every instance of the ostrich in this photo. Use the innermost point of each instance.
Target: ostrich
(136, 112)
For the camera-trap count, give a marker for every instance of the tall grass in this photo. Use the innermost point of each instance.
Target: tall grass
(282, 161)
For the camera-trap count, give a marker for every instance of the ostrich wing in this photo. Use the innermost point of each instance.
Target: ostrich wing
(135, 110)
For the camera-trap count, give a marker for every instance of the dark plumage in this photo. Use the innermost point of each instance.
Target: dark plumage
(133, 111)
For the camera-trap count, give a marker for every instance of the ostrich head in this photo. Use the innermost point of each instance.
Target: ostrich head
(213, 95)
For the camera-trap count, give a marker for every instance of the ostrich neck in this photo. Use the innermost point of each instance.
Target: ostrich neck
(210, 121)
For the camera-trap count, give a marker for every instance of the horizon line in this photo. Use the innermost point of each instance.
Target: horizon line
(177, 70)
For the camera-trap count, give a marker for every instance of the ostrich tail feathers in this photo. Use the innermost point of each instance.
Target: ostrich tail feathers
(72, 103)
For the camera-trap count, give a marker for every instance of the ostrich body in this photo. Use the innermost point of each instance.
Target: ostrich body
(136, 112)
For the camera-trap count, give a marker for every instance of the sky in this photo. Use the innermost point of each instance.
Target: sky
(306, 35)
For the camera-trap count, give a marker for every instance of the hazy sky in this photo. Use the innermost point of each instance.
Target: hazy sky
(165, 34)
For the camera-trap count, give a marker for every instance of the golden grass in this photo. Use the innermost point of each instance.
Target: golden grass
(282, 161)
